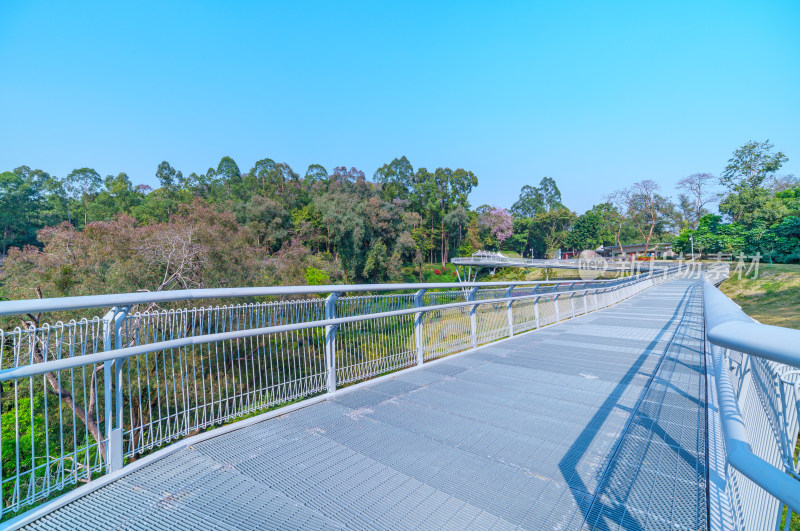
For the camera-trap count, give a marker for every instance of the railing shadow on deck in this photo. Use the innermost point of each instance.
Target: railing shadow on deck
(568, 466)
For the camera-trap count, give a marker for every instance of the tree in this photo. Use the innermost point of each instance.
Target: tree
(697, 187)
(119, 196)
(553, 227)
(168, 176)
(534, 200)
(16, 205)
(744, 176)
(618, 203)
(646, 208)
(268, 220)
(376, 262)
(396, 179)
(781, 183)
(456, 223)
(791, 200)
(551, 195)
(228, 170)
(749, 205)
(590, 230)
(81, 184)
(316, 173)
(750, 165)
(453, 188)
(500, 224)
(529, 204)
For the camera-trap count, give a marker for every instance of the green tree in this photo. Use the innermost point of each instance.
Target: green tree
(81, 185)
(744, 177)
(537, 199)
(589, 231)
(749, 205)
(119, 196)
(17, 204)
(377, 259)
(790, 199)
(750, 165)
(553, 227)
(228, 170)
(396, 179)
(316, 173)
(453, 188)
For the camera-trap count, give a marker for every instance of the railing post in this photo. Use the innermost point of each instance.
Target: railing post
(112, 389)
(572, 303)
(585, 302)
(418, 326)
(473, 318)
(510, 312)
(536, 310)
(108, 390)
(330, 341)
(116, 433)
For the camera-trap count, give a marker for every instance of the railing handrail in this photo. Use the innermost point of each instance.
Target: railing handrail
(56, 304)
(728, 327)
(103, 373)
(24, 371)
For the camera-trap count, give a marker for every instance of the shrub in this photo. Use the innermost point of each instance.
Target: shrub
(316, 277)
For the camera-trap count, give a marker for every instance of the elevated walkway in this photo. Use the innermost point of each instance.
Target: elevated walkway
(595, 423)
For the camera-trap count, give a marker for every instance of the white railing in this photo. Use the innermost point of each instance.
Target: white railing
(83, 397)
(753, 392)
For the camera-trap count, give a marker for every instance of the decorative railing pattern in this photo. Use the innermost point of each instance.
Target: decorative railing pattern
(82, 398)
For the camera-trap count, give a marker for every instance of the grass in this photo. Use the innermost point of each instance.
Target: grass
(771, 297)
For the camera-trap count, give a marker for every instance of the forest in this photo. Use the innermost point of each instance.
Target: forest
(88, 234)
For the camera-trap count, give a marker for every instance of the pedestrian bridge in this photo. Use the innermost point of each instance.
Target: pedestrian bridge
(591, 405)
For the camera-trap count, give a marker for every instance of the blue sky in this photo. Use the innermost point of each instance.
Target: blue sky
(597, 95)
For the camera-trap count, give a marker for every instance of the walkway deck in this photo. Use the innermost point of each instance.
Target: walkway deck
(594, 423)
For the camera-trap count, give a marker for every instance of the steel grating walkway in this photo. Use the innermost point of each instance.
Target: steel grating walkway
(596, 423)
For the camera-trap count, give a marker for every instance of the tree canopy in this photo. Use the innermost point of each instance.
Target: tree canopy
(84, 233)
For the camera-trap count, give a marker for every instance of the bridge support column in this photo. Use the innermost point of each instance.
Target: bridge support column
(418, 327)
(330, 341)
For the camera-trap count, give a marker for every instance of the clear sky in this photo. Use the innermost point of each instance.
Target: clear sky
(597, 95)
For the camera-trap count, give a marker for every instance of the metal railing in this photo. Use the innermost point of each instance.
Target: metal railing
(756, 390)
(600, 264)
(82, 398)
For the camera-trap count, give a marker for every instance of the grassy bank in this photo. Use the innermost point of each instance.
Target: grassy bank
(772, 298)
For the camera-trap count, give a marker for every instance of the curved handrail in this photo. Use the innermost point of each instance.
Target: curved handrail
(728, 327)
(56, 304)
(35, 369)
